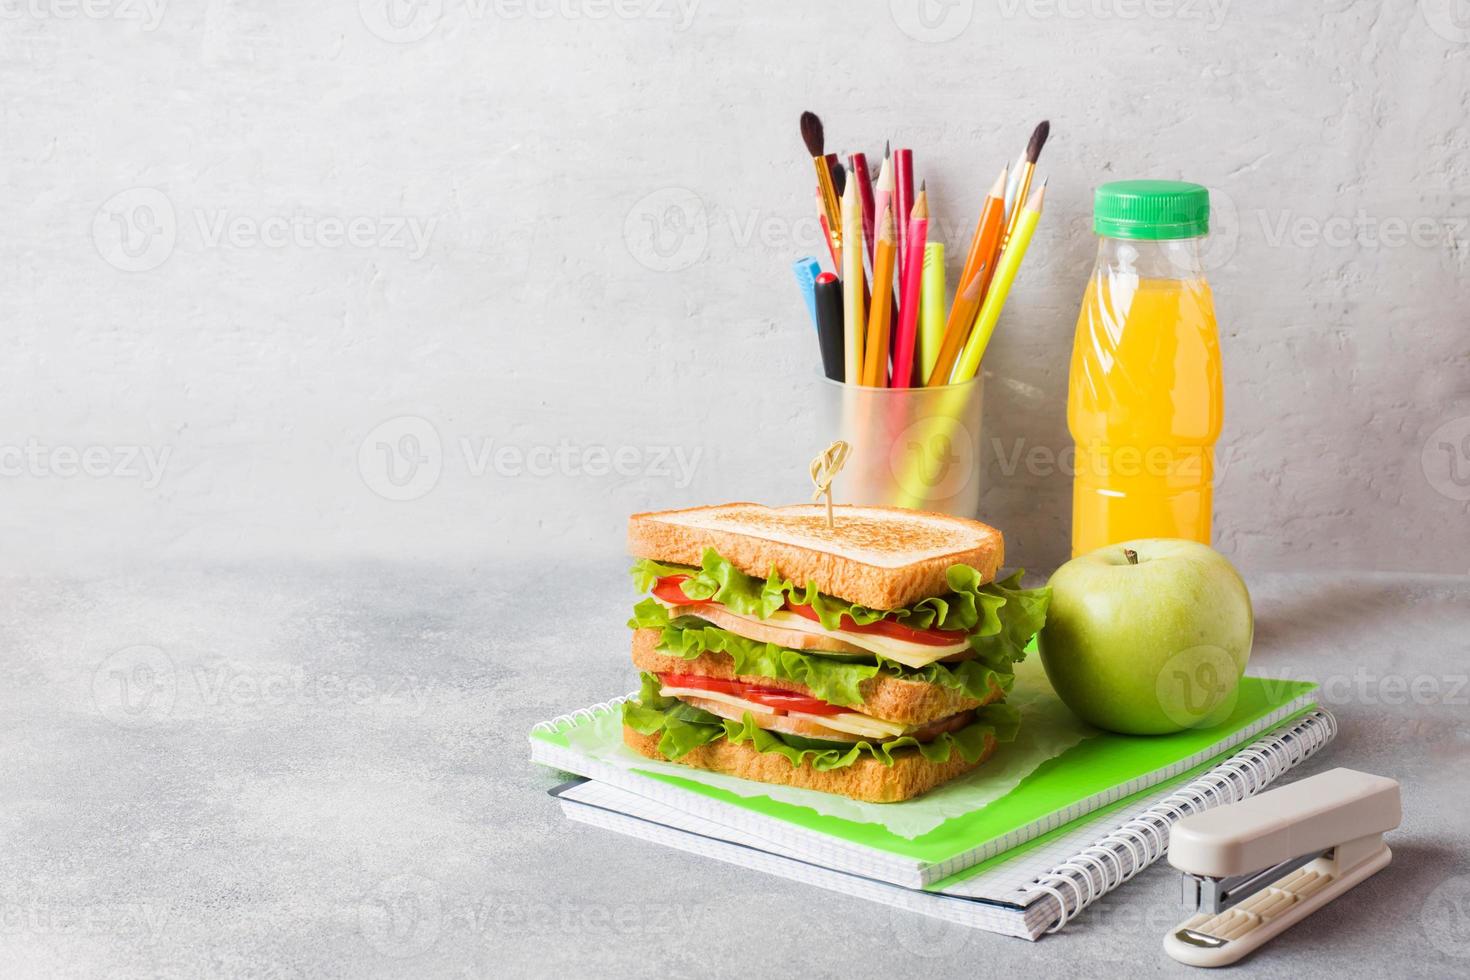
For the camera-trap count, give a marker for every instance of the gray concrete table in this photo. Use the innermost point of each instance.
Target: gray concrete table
(288, 771)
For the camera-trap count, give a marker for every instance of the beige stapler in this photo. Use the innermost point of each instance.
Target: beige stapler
(1257, 867)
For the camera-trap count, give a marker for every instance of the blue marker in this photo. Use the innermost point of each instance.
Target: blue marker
(807, 269)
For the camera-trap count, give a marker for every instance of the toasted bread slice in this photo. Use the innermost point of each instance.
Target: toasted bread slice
(867, 779)
(886, 697)
(879, 557)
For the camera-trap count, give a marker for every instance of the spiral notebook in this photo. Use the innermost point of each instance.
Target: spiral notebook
(1097, 771)
(1025, 891)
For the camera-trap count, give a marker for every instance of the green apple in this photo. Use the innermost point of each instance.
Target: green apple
(1148, 637)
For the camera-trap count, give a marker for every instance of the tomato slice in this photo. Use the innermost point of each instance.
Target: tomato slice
(769, 696)
(790, 701)
(888, 628)
(667, 589)
(703, 683)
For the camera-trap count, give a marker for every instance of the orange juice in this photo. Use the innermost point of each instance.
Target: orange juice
(1145, 400)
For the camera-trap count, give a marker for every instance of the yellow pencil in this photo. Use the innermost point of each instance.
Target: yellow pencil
(957, 327)
(875, 371)
(852, 285)
(1000, 286)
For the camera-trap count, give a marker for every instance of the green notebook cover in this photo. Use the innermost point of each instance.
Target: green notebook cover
(1103, 764)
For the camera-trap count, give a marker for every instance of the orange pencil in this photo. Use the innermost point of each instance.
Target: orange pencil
(957, 327)
(875, 371)
(987, 231)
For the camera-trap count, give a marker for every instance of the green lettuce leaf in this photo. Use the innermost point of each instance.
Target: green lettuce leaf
(1022, 615)
(836, 680)
(968, 606)
(831, 679)
(685, 727)
(1000, 720)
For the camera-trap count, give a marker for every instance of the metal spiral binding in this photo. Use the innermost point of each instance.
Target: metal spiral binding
(1100, 867)
(561, 723)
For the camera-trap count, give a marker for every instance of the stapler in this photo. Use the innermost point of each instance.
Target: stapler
(1254, 868)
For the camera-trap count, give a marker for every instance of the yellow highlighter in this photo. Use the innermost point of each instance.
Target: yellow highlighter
(1000, 287)
(931, 308)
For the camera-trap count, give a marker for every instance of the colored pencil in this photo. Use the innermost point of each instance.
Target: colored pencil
(854, 321)
(1000, 287)
(987, 231)
(903, 203)
(875, 344)
(957, 329)
(865, 197)
(883, 187)
(912, 278)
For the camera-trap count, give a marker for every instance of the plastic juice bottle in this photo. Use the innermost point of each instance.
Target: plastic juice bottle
(1145, 402)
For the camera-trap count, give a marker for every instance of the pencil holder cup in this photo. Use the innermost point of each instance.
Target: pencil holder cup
(911, 447)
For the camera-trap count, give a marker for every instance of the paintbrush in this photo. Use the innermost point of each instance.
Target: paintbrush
(1023, 179)
(815, 140)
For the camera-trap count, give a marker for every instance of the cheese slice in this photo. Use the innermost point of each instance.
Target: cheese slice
(914, 655)
(853, 724)
(670, 691)
(848, 723)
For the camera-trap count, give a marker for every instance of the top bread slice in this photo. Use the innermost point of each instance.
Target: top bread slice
(879, 557)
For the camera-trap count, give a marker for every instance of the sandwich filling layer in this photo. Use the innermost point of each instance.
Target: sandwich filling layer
(720, 620)
(684, 724)
(797, 714)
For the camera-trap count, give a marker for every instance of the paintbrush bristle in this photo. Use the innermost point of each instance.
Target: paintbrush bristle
(839, 179)
(811, 133)
(1038, 140)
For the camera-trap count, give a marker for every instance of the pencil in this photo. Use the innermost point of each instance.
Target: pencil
(957, 329)
(1000, 286)
(883, 186)
(865, 198)
(987, 232)
(903, 203)
(875, 345)
(912, 278)
(852, 285)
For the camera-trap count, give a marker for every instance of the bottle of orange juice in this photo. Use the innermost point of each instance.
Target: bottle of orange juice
(1145, 400)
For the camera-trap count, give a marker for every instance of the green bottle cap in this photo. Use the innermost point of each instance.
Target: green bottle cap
(1151, 210)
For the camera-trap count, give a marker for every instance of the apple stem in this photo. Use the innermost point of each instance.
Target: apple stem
(1131, 555)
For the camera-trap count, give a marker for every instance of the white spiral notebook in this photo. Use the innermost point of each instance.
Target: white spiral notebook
(1025, 891)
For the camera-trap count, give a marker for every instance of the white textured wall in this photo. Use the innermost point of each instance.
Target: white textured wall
(239, 237)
